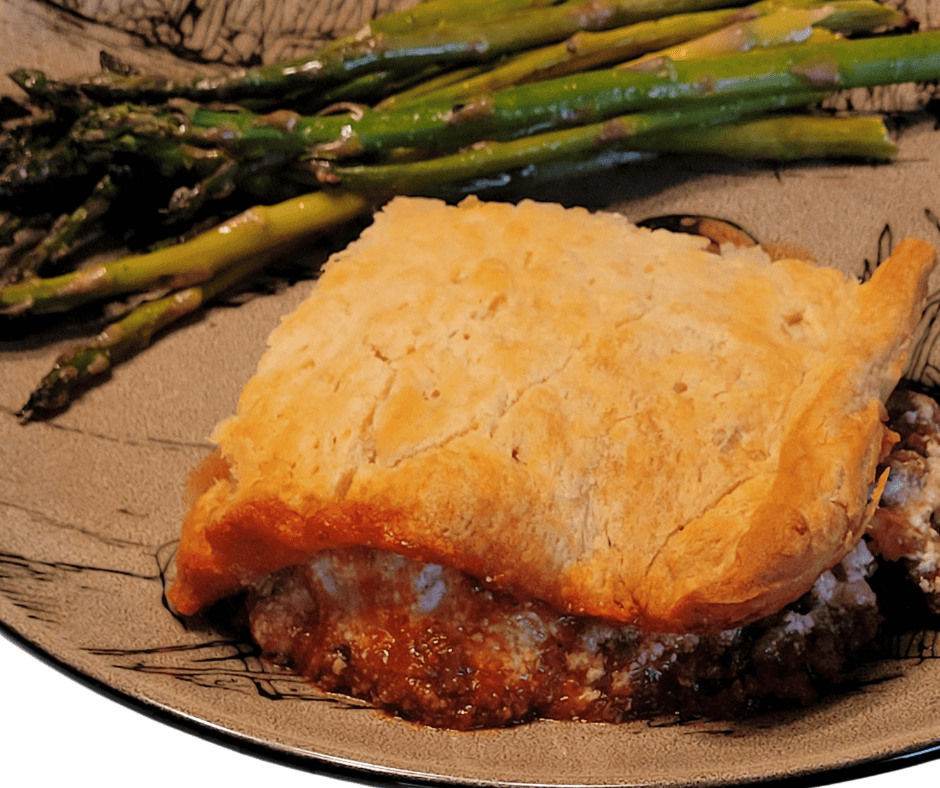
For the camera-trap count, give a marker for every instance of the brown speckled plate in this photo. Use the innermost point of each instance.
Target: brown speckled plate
(90, 505)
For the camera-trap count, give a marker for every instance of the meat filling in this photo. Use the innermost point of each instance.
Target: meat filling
(436, 646)
(433, 645)
(905, 526)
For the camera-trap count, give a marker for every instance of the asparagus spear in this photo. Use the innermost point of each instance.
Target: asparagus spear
(364, 89)
(587, 50)
(65, 232)
(253, 232)
(61, 95)
(94, 140)
(38, 167)
(160, 135)
(781, 138)
(18, 234)
(476, 39)
(252, 241)
(82, 365)
(637, 131)
(78, 367)
(779, 26)
(584, 50)
(430, 12)
(784, 137)
(441, 83)
(529, 109)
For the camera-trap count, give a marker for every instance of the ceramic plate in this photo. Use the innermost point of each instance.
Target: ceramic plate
(90, 506)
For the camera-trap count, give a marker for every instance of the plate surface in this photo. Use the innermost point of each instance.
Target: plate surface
(90, 506)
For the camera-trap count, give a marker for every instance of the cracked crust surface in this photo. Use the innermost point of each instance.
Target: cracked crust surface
(613, 420)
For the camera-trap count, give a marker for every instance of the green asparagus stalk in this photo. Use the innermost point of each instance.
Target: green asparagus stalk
(436, 86)
(488, 158)
(84, 364)
(18, 234)
(255, 231)
(98, 135)
(530, 109)
(63, 235)
(264, 235)
(259, 177)
(431, 12)
(588, 50)
(781, 138)
(160, 135)
(113, 87)
(80, 366)
(38, 167)
(857, 16)
(365, 89)
(582, 51)
(782, 26)
(477, 39)
(62, 95)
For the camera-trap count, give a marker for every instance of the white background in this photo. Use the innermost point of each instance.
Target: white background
(70, 735)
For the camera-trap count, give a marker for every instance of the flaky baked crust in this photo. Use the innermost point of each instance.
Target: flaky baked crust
(613, 420)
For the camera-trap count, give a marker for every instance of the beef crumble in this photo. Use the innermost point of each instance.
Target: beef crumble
(905, 525)
(433, 645)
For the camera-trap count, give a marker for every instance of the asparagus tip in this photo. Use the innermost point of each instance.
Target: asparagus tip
(28, 78)
(73, 370)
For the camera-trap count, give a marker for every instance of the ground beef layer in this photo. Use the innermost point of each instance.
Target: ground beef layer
(433, 645)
